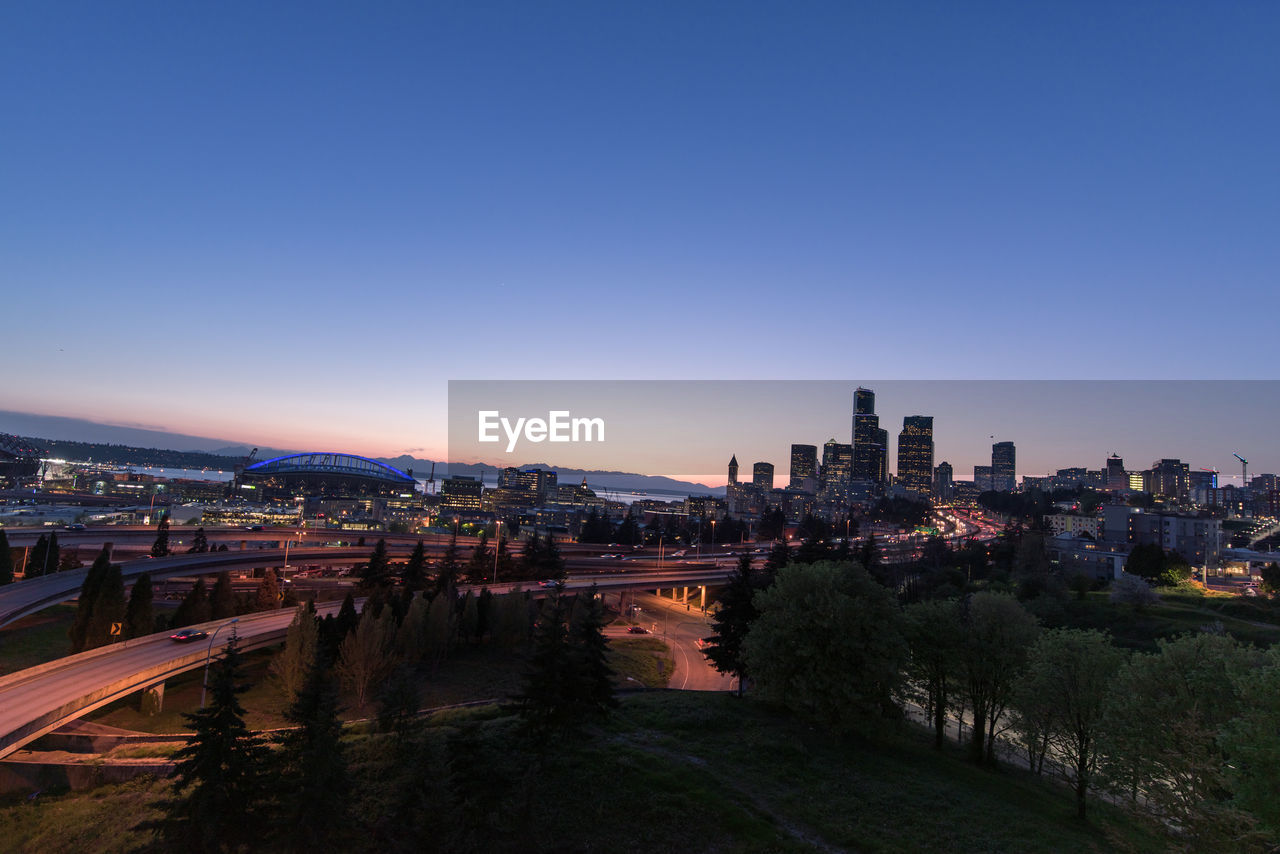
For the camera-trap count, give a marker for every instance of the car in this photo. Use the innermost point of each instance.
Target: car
(188, 635)
(550, 582)
(75, 527)
(638, 630)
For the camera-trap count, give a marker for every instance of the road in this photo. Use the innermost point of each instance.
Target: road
(682, 628)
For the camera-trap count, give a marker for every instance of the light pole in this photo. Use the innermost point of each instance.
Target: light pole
(497, 544)
(713, 536)
(209, 654)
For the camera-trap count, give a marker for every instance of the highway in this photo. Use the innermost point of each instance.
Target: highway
(682, 628)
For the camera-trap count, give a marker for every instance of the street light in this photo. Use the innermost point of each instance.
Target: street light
(209, 654)
(497, 544)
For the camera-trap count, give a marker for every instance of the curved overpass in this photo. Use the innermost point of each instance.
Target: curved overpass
(26, 597)
(42, 698)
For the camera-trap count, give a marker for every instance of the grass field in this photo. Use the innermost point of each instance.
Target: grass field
(691, 773)
(1177, 613)
(36, 639)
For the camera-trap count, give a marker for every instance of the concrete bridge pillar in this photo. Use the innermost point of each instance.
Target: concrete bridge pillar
(702, 596)
(152, 699)
(685, 596)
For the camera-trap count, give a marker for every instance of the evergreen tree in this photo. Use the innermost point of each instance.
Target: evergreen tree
(592, 688)
(194, 607)
(44, 556)
(347, 616)
(779, 556)
(88, 595)
(553, 566)
(222, 601)
(506, 565)
(139, 619)
(411, 637)
(301, 647)
(481, 564)
(543, 703)
(450, 566)
(160, 547)
(364, 658)
(267, 596)
(376, 573)
(441, 626)
(6, 560)
(531, 557)
(219, 773)
(108, 609)
(469, 618)
(415, 571)
(733, 619)
(314, 784)
(200, 542)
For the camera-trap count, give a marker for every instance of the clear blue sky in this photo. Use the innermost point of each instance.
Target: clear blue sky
(290, 224)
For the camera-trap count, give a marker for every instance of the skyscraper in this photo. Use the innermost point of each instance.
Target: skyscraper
(870, 443)
(733, 469)
(943, 482)
(804, 468)
(837, 471)
(762, 475)
(915, 454)
(1003, 468)
(1117, 477)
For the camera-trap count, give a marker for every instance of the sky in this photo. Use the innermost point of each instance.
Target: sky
(291, 224)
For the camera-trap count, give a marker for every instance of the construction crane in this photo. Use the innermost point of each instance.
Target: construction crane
(431, 481)
(1244, 469)
(239, 470)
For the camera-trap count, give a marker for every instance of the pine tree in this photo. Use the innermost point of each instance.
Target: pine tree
(592, 688)
(314, 784)
(138, 617)
(481, 564)
(88, 595)
(543, 703)
(733, 619)
(469, 620)
(44, 556)
(108, 609)
(199, 543)
(376, 572)
(301, 646)
(194, 607)
(415, 571)
(6, 560)
(441, 626)
(364, 658)
(219, 773)
(531, 557)
(553, 566)
(267, 596)
(160, 547)
(222, 601)
(348, 617)
(411, 637)
(450, 567)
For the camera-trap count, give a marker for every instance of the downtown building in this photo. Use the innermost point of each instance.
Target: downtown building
(870, 443)
(804, 469)
(915, 455)
(1003, 467)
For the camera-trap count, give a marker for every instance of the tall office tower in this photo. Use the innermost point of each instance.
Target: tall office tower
(982, 478)
(943, 482)
(1117, 477)
(762, 475)
(1003, 467)
(915, 454)
(1171, 479)
(837, 470)
(804, 468)
(870, 443)
(733, 469)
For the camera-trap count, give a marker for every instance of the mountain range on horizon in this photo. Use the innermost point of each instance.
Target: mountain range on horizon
(61, 428)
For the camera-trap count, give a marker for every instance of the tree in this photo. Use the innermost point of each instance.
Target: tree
(88, 595)
(450, 567)
(1270, 578)
(592, 688)
(553, 566)
(934, 631)
(828, 643)
(480, 566)
(1133, 591)
(1166, 710)
(1146, 560)
(1064, 688)
(364, 658)
(139, 619)
(6, 559)
(376, 572)
(734, 616)
(998, 632)
(415, 571)
(267, 596)
(199, 542)
(544, 702)
(291, 664)
(160, 547)
(771, 526)
(314, 784)
(44, 556)
(441, 627)
(1251, 740)
(108, 609)
(217, 779)
(194, 607)
(222, 600)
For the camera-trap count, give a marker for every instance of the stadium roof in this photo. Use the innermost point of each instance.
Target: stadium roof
(328, 463)
(16, 446)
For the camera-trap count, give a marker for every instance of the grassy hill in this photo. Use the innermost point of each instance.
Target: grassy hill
(670, 772)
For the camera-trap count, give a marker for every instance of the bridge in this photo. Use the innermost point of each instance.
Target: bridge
(40, 699)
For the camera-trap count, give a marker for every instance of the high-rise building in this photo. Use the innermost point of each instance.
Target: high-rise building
(915, 454)
(870, 443)
(733, 469)
(804, 468)
(982, 478)
(943, 482)
(837, 470)
(1003, 467)
(762, 476)
(1117, 479)
(1171, 479)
